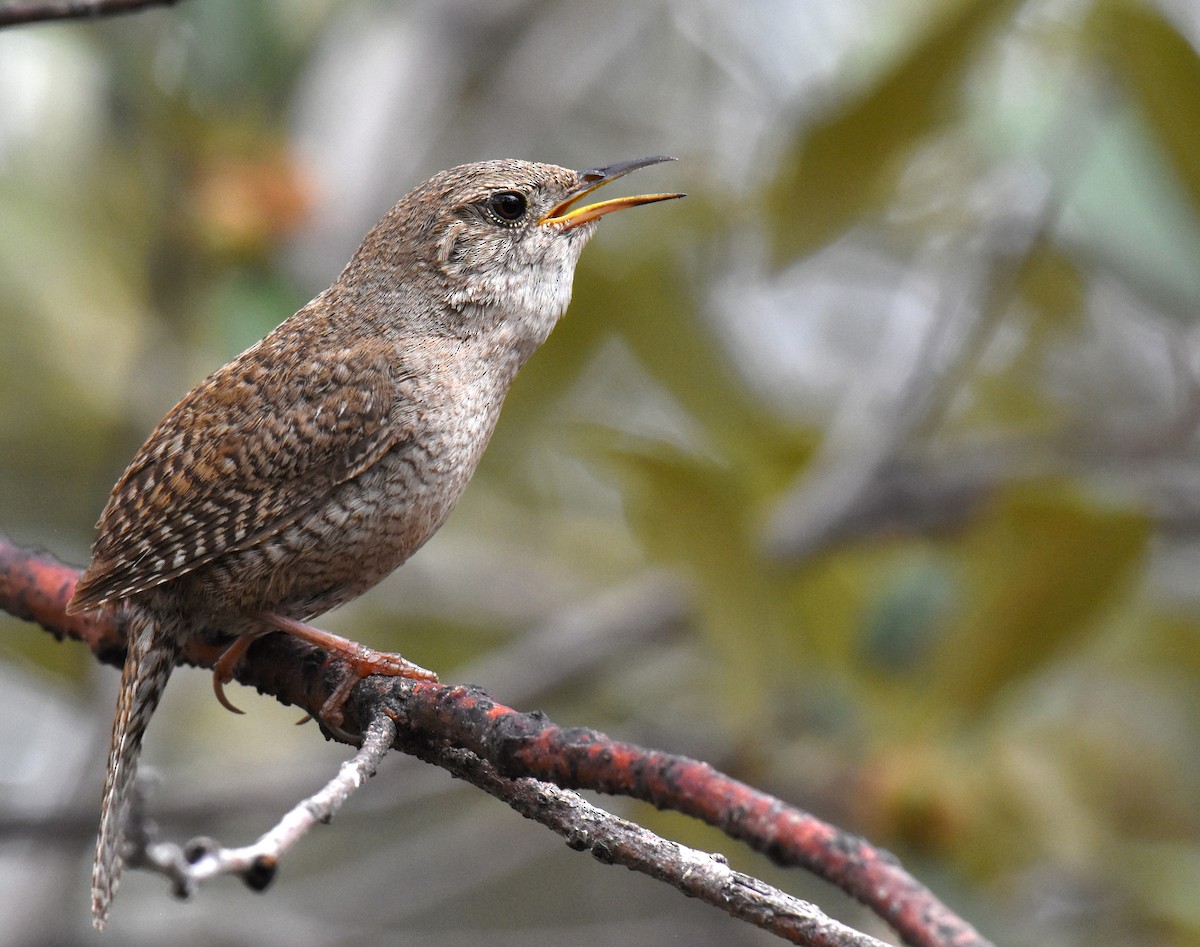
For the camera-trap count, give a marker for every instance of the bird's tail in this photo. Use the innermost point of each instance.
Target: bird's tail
(152, 654)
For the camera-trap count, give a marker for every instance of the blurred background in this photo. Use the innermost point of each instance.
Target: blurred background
(869, 473)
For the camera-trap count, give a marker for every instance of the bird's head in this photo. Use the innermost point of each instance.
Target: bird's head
(496, 242)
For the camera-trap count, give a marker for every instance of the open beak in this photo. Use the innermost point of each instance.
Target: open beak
(562, 214)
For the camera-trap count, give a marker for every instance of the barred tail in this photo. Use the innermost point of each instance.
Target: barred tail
(152, 655)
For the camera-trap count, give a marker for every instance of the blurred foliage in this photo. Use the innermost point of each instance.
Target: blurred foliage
(905, 390)
(1160, 69)
(845, 165)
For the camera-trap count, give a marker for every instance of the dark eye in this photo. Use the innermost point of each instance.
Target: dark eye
(508, 206)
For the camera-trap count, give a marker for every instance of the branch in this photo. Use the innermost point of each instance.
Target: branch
(616, 841)
(436, 722)
(200, 860)
(610, 839)
(15, 14)
(527, 744)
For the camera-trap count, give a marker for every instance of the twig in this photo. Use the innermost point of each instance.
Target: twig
(14, 14)
(202, 859)
(616, 841)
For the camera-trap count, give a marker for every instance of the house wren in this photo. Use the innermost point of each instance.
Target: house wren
(320, 459)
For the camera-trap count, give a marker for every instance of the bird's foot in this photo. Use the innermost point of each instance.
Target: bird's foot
(359, 659)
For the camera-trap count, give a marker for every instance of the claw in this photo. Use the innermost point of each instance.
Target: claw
(224, 667)
(219, 690)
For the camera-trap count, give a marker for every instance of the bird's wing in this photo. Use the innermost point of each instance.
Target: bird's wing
(243, 456)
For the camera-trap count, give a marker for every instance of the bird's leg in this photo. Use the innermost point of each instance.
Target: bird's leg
(361, 660)
(225, 665)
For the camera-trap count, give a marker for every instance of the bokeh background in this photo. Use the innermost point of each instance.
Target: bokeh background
(868, 473)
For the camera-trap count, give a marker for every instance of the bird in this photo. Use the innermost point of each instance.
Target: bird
(303, 472)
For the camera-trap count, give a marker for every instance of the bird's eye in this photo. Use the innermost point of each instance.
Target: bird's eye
(508, 206)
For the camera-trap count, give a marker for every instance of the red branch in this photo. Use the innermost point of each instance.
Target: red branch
(14, 14)
(527, 744)
(35, 586)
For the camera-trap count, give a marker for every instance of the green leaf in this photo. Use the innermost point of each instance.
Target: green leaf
(1038, 567)
(1162, 71)
(845, 166)
(691, 512)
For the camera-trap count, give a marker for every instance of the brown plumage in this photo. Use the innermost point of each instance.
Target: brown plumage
(317, 461)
